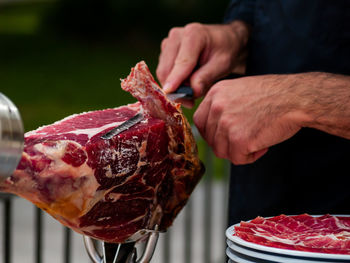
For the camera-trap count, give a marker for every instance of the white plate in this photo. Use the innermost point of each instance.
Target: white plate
(237, 259)
(253, 255)
(295, 253)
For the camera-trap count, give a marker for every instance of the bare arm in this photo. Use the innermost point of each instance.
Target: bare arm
(326, 103)
(242, 118)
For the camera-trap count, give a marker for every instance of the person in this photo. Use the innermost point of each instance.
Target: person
(285, 126)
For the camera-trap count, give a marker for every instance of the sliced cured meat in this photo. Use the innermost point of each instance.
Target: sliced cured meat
(277, 227)
(291, 223)
(110, 189)
(323, 234)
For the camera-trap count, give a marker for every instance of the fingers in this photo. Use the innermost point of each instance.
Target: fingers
(256, 155)
(243, 149)
(180, 53)
(223, 133)
(169, 50)
(199, 53)
(185, 62)
(220, 145)
(239, 157)
(206, 118)
(213, 122)
(200, 117)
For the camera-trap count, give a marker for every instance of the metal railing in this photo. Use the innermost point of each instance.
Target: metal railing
(197, 234)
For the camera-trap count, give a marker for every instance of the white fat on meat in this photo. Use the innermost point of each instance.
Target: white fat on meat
(93, 131)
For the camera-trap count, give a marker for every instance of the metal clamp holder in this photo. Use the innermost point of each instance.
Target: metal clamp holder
(124, 253)
(11, 137)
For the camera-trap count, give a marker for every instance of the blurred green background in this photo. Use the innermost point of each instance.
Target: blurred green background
(67, 56)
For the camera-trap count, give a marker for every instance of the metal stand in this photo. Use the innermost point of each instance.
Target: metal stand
(121, 253)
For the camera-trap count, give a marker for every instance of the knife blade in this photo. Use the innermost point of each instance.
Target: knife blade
(183, 92)
(123, 127)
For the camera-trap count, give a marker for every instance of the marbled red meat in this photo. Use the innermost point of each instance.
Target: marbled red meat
(109, 189)
(323, 234)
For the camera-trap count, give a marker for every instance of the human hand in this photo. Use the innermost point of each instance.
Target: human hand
(241, 118)
(200, 54)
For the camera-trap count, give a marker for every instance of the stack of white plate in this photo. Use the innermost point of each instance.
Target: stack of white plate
(241, 251)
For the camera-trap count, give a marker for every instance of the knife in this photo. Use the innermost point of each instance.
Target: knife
(123, 127)
(186, 92)
(183, 92)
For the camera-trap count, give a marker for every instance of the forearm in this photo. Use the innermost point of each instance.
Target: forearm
(324, 100)
(243, 117)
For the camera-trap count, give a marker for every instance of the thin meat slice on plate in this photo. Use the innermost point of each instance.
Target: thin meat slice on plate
(323, 234)
(110, 189)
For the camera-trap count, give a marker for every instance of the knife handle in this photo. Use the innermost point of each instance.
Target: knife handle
(185, 89)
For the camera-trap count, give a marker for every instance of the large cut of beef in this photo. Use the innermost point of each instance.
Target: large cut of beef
(110, 189)
(323, 234)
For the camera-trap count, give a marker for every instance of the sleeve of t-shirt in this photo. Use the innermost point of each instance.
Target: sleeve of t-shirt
(240, 10)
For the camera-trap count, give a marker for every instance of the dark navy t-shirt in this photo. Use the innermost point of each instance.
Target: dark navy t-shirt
(309, 173)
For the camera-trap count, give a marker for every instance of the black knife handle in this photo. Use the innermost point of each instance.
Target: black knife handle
(185, 89)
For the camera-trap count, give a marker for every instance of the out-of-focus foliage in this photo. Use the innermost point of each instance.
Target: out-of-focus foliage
(123, 18)
(67, 56)
(63, 57)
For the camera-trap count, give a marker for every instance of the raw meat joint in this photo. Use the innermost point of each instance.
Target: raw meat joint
(323, 234)
(110, 189)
